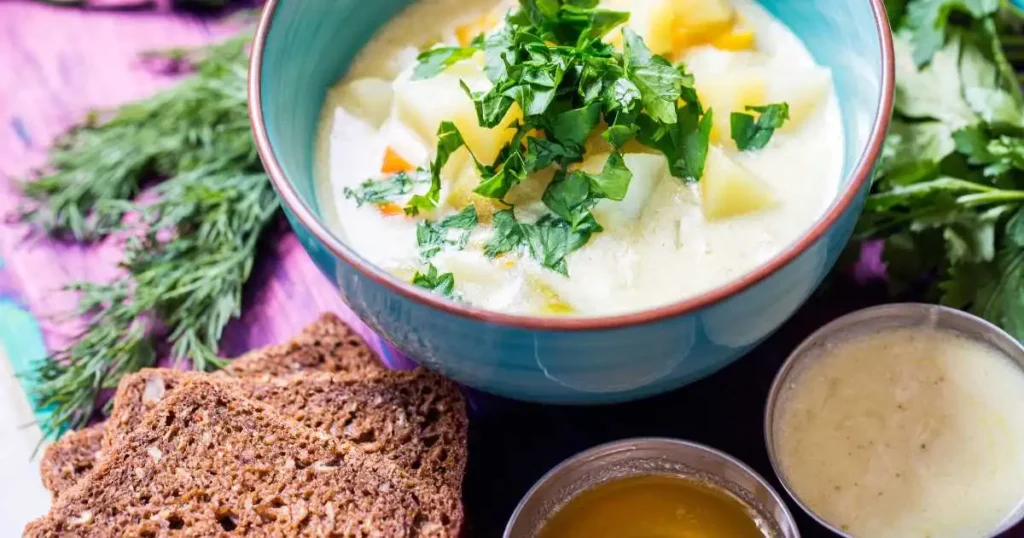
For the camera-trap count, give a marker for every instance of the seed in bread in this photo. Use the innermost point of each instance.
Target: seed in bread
(207, 461)
(67, 460)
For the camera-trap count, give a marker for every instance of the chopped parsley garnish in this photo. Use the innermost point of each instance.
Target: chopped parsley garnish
(436, 60)
(435, 281)
(755, 134)
(432, 237)
(508, 234)
(449, 139)
(659, 83)
(549, 60)
(385, 190)
(549, 240)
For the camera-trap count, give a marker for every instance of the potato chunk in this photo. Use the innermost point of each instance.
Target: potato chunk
(462, 194)
(652, 20)
(805, 92)
(368, 99)
(424, 104)
(729, 189)
(648, 170)
(731, 92)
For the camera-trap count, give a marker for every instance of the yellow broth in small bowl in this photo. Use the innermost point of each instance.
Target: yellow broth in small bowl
(653, 505)
(651, 488)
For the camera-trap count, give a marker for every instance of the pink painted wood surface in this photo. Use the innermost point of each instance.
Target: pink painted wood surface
(55, 65)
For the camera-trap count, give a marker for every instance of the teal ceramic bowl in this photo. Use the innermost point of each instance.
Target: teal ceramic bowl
(303, 47)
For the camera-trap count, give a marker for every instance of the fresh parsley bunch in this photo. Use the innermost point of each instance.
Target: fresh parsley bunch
(948, 196)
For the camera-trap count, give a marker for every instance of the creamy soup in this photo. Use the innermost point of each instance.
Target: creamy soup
(908, 433)
(675, 232)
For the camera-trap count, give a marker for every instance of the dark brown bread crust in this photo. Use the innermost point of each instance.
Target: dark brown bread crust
(207, 461)
(417, 419)
(327, 345)
(67, 460)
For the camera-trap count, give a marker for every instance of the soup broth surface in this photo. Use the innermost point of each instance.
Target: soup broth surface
(668, 240)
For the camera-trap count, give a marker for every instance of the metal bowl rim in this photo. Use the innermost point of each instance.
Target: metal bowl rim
(667, 443)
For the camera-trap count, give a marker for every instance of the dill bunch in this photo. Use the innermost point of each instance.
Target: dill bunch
(191, 242)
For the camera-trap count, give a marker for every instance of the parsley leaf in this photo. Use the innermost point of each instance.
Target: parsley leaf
(508, 234)
(449, 140)
(613, 181)
(684, 144)
(658, 82)
(432, 62)
(551, 239)
(437, 282)
(376, 192)
(432, 237)
(618, 135)
(927, 21)
(693, 148)
(997, 153)
(751, 134)
(509, 174)
(542, 153)
(572, 127)
(570, 197)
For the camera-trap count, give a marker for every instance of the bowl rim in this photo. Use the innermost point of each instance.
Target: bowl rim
(304, 213)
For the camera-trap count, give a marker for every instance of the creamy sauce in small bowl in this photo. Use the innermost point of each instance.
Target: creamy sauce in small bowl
(903, 421)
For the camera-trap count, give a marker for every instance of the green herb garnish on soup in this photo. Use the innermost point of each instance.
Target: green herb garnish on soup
(598, 145)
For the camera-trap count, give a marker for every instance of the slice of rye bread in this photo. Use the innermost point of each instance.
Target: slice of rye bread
(326, 345)
(208, 461)
(67, 460)
(415, 418)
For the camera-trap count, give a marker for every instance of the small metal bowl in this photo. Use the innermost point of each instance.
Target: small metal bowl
(891, 316)
(647, 456)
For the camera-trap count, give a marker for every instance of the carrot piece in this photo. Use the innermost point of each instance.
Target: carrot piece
(394, 163)
(390, 209)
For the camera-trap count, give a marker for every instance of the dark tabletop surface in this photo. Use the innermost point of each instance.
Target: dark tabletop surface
(513, 444)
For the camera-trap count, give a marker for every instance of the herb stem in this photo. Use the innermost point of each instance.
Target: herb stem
(992, 196)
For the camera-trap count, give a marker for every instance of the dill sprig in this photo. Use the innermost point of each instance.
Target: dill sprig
(110, 156)
(191, 242)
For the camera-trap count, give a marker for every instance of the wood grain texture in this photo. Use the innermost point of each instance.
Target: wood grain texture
(57, 64)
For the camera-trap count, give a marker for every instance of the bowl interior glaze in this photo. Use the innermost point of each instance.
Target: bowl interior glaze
(309, 45)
